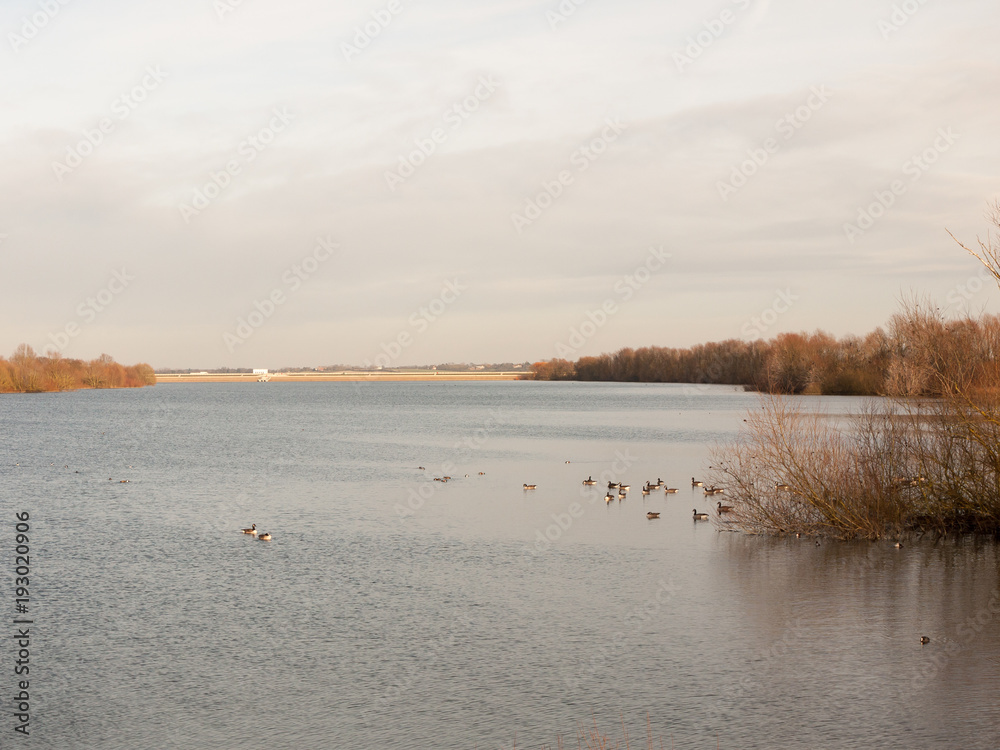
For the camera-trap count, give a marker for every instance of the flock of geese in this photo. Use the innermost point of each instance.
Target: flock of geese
(619, 491)
(262, 536)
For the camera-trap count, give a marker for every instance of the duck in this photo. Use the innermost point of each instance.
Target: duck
(670, 490)
(699, 516)
(924, 640)
(724, 508)
(590, 480)
(251, 530)
(696, 483)
(530, 486)
(651, 514)
(265, 537)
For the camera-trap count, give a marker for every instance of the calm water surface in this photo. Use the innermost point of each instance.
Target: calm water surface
(393, 611)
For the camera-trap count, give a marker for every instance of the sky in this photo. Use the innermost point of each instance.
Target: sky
(252, 183)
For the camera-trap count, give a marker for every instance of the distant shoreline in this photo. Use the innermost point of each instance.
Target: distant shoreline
(347, 376)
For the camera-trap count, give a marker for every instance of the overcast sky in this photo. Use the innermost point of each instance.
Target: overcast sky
(210, 183)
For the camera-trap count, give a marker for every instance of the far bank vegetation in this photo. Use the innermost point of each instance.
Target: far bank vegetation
(26, 372)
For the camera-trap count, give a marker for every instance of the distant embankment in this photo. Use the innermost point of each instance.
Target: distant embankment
(346, 376)
(26, 372)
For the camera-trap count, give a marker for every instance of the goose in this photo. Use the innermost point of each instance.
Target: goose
(645, 490)
(612, 485)
(625, 487)
(651, 514)
(700, 516)
(622, 495)
(421, 468)
(898, 545)
(670, 490)
(924, 640)
(696, 483)
(608, 498)
(782, 487)
(251, 530)
(265, 537)
(530, 486)
(724, 508)
(482, 473)
(590, 480)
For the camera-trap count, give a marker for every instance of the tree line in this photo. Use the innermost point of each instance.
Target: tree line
(26, 372)
(918, 351)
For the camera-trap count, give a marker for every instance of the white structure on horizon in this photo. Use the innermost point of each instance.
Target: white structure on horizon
(261, 373)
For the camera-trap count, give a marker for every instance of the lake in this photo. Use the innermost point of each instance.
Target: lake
(391, 610)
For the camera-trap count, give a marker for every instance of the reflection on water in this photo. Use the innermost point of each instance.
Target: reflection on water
(477, 610)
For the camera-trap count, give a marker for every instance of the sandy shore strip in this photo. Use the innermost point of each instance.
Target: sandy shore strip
(335, 377)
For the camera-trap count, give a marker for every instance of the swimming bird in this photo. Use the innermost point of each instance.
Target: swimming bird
(699, 516)
(590, 480)
(924, 640)
(422, 468)
(651, 514)
(482, 473)
(530, 486)
(782, 487)
(625, 487)
(251, 530)
(265, 537)
(645, 490)
(670, 490)
(898, 545)
(608, 498)
(724, 508)
(622, 495)
(696, 483)
(612, 485)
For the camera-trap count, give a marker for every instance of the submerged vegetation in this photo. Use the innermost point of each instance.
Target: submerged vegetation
(26, 372)
(903, 464)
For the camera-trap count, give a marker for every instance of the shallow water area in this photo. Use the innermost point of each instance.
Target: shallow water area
(392, 610)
